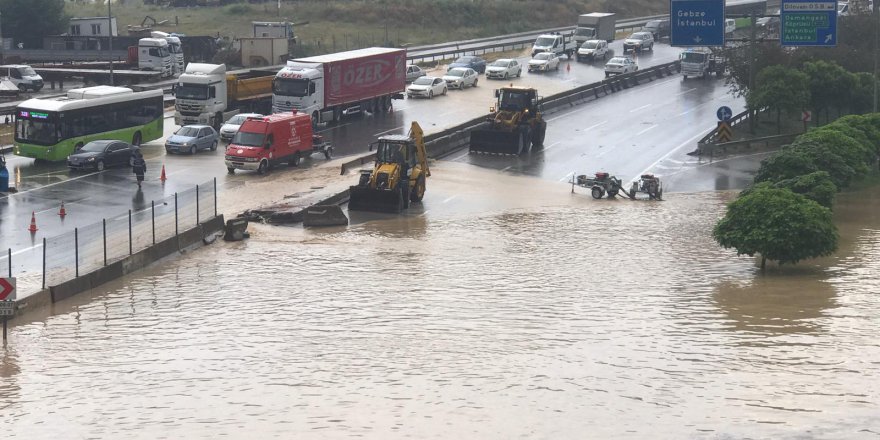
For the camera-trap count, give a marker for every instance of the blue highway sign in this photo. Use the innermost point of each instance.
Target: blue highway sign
(808, 23)
(724, 113)
(696, 22)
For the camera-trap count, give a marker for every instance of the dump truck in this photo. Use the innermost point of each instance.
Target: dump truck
(514, 124)
(702, 61)
(386, 188)
(595, 26)
(330, 86)
(207, 94)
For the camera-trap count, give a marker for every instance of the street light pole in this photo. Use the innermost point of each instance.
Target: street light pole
(110, 38)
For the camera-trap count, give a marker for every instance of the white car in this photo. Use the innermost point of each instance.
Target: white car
(461, 77)
(729, 26)
(592, 49)
(543, 62)
(503, 69)
(426, 87)
(620, 65)
(228, 130)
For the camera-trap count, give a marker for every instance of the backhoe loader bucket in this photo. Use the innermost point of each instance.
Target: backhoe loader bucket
(497, 142)
(364, 198)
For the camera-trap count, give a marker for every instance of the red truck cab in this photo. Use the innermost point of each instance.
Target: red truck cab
(266, 141)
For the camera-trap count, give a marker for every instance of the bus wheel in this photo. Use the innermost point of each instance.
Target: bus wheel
(136, 140)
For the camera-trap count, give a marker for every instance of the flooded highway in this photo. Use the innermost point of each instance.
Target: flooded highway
(503, 307)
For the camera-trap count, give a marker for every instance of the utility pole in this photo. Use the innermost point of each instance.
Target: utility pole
(110, 38)
(752, 60)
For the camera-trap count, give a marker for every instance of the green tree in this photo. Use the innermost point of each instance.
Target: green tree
(857, 154)
(826, 158)
(817, 187)
(863, 93)
(739, 58)
(780, 88)
(786, 164)
(28, 21)
(830, 87)
(777, 224)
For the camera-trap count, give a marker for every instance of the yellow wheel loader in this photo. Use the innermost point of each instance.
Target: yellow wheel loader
(398, 175)
(515, 123)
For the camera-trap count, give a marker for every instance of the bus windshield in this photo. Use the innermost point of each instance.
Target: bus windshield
(245, 139)
(191, 91)
(37, 128)
(291, 87)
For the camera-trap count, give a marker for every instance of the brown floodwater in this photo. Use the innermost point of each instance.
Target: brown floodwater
(561, 318)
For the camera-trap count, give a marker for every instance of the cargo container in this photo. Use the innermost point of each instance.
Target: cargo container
(327, 87)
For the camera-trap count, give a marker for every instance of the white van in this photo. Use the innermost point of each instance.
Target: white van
(729, 25)
(24, 77)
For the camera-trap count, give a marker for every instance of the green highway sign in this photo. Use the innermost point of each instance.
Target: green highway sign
(808, 23)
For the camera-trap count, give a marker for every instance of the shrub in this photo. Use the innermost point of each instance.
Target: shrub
(856, 154)
(238, 9)
(786, 164)
(826, 158)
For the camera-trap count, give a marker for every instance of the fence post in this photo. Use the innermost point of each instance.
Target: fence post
(197, 205)
(153, 218)
(215, 197)
(44, 262)
(175, 215)
(130, 246)
(104, 232)
(76, 250)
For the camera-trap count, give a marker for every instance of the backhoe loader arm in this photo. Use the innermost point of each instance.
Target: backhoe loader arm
(416, 133)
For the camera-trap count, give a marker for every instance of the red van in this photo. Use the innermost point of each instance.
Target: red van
(265, 141)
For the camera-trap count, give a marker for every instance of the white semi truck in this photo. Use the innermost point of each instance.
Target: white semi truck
(176, 50)
(207, 94)
(153, 54)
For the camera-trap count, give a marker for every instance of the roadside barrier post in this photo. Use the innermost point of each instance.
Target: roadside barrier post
(44, 262)
(76, 250)
(104, 232)
(197, 205)
(130, 246)
(175, 215)
(153, 218)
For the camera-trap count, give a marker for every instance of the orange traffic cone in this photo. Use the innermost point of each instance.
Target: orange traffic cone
(33, 227)
(62, 212)
(162, 177)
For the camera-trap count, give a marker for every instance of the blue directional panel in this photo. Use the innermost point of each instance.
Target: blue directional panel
(808, 23)
(696, 23)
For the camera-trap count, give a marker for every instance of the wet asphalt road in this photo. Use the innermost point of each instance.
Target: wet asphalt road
(636, 128)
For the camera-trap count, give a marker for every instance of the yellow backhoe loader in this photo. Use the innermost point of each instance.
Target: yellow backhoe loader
(515, 123)
(398, 175)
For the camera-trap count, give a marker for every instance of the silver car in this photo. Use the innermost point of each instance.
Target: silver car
(413, 72)
(228, 130)
(620, 65)
(461, 77)
(503, 69)
(191, 138)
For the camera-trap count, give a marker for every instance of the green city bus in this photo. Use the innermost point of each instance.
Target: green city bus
(52, 129)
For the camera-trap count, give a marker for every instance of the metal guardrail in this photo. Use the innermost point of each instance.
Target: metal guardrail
(766, 142)
(712, 136)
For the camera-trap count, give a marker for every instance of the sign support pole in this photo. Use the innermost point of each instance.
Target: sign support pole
(4, 329)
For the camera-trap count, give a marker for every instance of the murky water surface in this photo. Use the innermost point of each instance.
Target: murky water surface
(580, 319)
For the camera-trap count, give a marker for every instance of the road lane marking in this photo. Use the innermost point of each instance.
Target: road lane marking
(686, 91)
(388, 131)
(450, 198)
(506, 168)
(49, 185)
(670, 153)
(647, 129)
(595, 125)
(640, 108)
(549, 146)
(698, 106)
(459, 157)
(5, 255)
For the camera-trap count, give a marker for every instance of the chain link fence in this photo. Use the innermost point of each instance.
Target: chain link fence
(88, 248)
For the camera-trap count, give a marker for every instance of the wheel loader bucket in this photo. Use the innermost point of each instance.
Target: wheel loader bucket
(324, 215)
(497, 142)
(364, 198)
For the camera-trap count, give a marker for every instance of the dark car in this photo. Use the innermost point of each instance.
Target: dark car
(97, 155)
(658, 28)
(471, 62)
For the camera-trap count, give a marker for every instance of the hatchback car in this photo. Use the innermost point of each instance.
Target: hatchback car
(461, 77)
(413, 72)
(191, 138)
(98, 155)
(658, 28)
(228, 130)
(471, 62)
(426, 87)
(543, 62)
(503, 69)
(620, 65)
(639, 41)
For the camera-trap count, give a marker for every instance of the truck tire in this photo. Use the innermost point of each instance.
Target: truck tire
(294, 161)
(538, 135)
(315, 117)
(218, 121)
(230, 170)
(264, 167)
